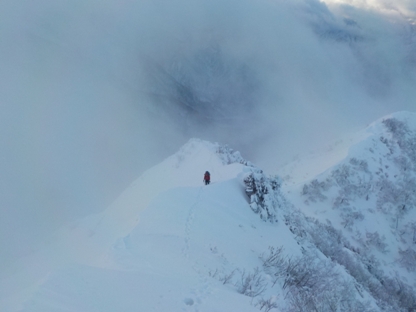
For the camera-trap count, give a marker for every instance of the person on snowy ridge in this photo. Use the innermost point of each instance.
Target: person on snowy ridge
(207, 178)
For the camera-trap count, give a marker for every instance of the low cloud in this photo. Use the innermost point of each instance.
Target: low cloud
(92, 94)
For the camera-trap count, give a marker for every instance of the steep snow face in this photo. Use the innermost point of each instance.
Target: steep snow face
(369, 198)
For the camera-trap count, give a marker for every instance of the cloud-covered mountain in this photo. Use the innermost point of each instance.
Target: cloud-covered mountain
(341, 241)
(93, 94)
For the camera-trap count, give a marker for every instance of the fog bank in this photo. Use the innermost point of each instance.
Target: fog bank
(93, 93)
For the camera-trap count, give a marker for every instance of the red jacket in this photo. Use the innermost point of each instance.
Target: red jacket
(207, 177)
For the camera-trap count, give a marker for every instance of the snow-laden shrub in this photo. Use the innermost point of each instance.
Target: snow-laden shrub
(268, 304)
(352, 180)
(349, 215)
(252, 284)
(264, 194)
(313, 191)
(408, 259)
(403, 163)
(383, 183)
(311, 283)
(248, 283)
(374, 239)
(230, 156)
(402, 137)
(400, 195)
(396, 127)
(274, 263)
(391, 294)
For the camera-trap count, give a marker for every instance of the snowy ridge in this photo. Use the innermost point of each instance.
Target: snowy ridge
(87, 241)
(301, 170)
(194, 247)
(181, 244)
(343, 241)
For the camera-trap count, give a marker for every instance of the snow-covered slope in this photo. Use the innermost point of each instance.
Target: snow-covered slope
(342, 241)
(369, 199)
(162, 246)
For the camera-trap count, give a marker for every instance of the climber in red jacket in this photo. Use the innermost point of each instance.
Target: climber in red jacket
(207, 178)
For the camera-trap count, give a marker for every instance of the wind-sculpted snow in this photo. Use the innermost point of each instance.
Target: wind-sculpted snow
(264, 193)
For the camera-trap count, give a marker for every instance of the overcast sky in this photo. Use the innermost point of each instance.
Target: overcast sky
(94, 92)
